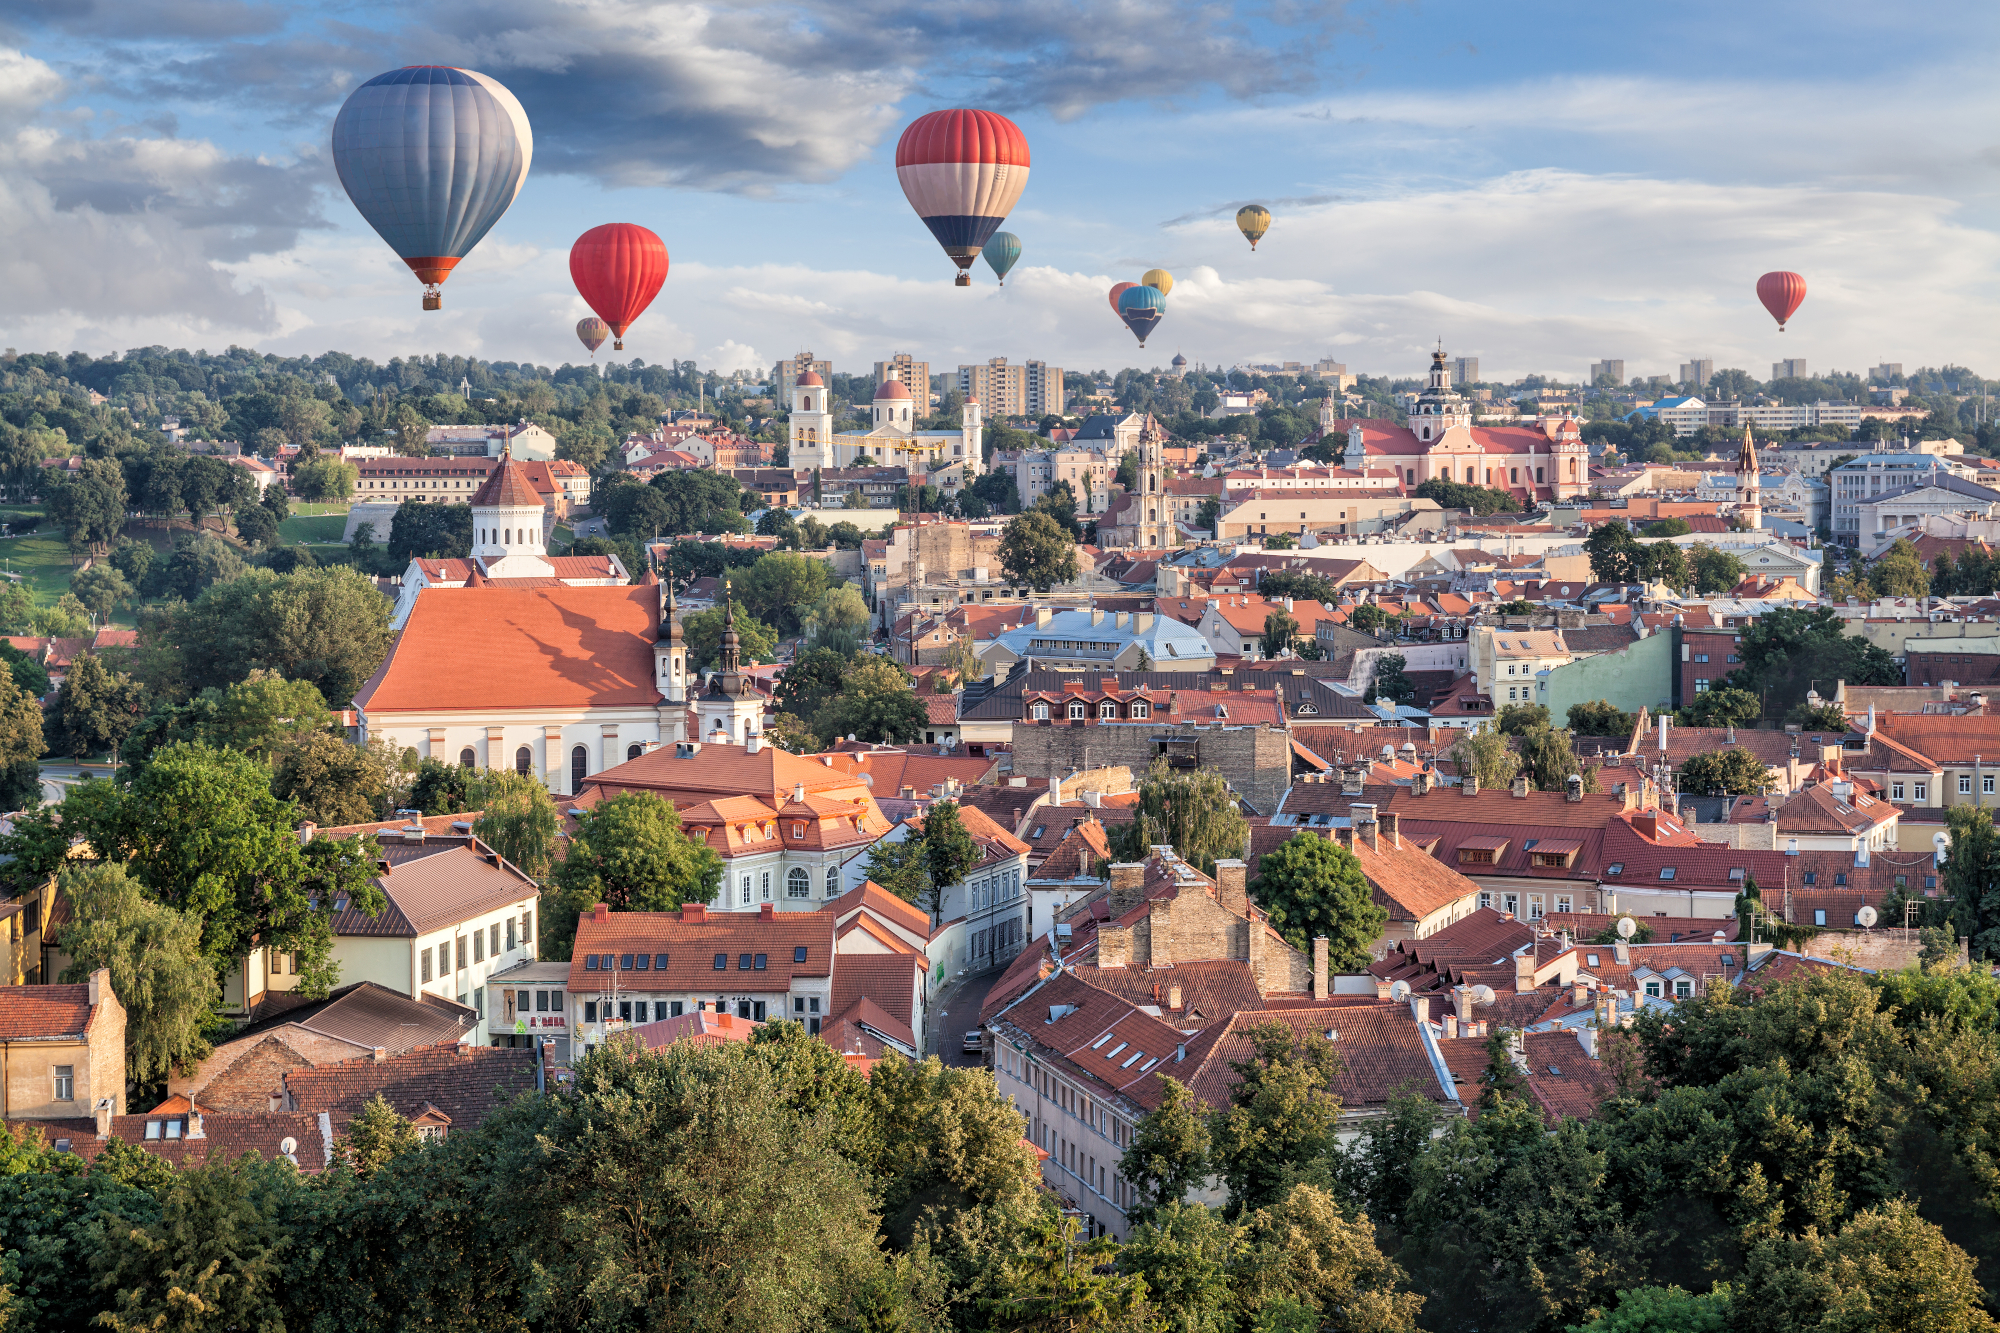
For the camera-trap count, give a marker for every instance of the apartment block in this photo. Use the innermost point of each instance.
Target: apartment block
(1698, 371)
(1792, 368)
(1044, 389)
(1464, 370)
(1885, 372)
(1033, 389)
(1615, 369)
(909, 372)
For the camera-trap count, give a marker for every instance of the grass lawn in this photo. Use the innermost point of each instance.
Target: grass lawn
(45, 561)
(321, 527)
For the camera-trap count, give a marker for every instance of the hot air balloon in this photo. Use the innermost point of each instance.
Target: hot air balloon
(1253, 220)
(431, 157)
(591, 333)
(1001, 252)
(1781, 294)
(1159, 280)
(1119, 291)
(1141, 308)
(618, 268)
(962, 171)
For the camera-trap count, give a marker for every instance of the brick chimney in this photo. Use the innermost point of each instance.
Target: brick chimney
(767, 912)
(1382, 985)
(1450, 1026)
(1114, 944)
(306, 830)
(695, 912)
(1319, 967)
(1579, 994)
(1232, 883)
(1128, 886)
(1469, 785)
(1520, 786)
(380, 1054)
(601, 912)
(1174, 998)
(1362, 818)
(194, 1129)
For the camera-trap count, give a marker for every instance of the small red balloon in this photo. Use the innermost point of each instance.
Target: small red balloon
(1781, 294)
(1119, 291)
(618, 268)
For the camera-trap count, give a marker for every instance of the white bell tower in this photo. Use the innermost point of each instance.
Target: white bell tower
(972, 435)
(812, 424)
(507, 524)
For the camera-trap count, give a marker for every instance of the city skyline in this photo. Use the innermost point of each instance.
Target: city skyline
(1428, 178)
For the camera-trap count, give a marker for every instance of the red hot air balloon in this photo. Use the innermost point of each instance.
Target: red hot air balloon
(1119, 291)
(1781, 294)
(963, 171)
(618, 268)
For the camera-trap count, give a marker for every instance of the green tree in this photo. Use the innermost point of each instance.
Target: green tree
(323, 480)
(940, 1137)
(1724, 707)
(328, 626)
(1191, 810)
(1736, 772)
(1367, 617)
(1482, 756)
(628, 852)
(26, 671)
(1664, 1310)
(1392, 684)
(103, 589)
(94, 711)
(781, 586)
(1666, 527)
(1281, 1115)
(213, 1260)
(1826, 717)
(1057, 1283)
(1614, 555)
(1168, 1154)
(1306, 1249)
(158, 972)
(331, 782)
(1550, 760)
(949, 852)
(700, 500)
(255, 525)
(839, 620)
(200, 560)
(903, 868)
(1501, 1081)
(1312, 886)
(876, 703)
(1481, 500)
(1037, 551)
(412, 432)
(1188, 1257)
(1972, 879)
(1667, 563)
(1520, 719)
(813, 679)
(1887, 1271)
(1899, 572)
(437, 531)
(1713, 571)
(1602, 718)
(1280, 541)
(376, 1137)
(517, 818)
(702, 631)
(1280, 631)
(90, 505)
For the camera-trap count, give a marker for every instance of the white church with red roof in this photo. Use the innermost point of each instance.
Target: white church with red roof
(509, 548)
(892, 436)
(1532, 463)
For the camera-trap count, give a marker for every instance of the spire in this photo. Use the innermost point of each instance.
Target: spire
(1746, 458)
(732, 645)
(673, 619)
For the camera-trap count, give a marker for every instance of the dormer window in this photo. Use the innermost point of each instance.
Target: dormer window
(1107, 711)
(1140, 708)
(1077, 710)
(1040, 712)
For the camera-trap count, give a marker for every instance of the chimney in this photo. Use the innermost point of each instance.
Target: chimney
(1469, 785)
(1524, 970)
(1232, 879)
(601, 912)
(1520, 786)
(1871, 719)
(767, 912)
(1573, 787)
(1579, 995)
(1382, 985)
(306, 830)
(1114, 945)
(100, 985)
(1622, 951)
(1420, 785)
(1420, 1008)
(105, 1107)
(194, 1129)
(1319, 967)
(1362, 817)
(1174, 998)
(1390, 826)
(1450, 1026)
(799, 792)
(380, 1054)
(1128, 886)
(694, 912)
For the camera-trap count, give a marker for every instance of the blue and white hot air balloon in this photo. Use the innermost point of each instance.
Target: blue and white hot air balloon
(431, 157)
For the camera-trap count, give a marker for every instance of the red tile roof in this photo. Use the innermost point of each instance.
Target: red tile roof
(691, 939)
(224, 1134)
(465, 1082)
(30, 1012)
(507, 486)
(1562, 1078)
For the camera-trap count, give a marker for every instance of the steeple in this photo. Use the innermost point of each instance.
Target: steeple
(670, 652)
(731, 704)
(1750, 499)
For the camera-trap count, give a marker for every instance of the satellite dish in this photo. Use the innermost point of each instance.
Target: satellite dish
(1940, 840)
(1627, 927)
(1400, 991)
(1865, 917)
(1482, 995)
(288, 1145)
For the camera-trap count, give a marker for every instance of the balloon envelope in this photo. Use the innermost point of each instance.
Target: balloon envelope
(432, 156)
(963, 171)
(1159, 280)
(1141, 308)
(1781, 293)
(618, 269)
(1001, 252)
(592, 332)
(1253, 220)
(1119, 291)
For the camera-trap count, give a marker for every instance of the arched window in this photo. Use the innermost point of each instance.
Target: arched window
(1513, 476)
(1041, 712)
(798, 884)
(809, 403)
(1572, 469)
(510, 531)
(1140, 708)
(579, 763)
(1469, 474)
(633, 751)
(833, 881)
(524, 760)
(1538, 474)
(1108, 710)
(1077, 710)
(466, 758)
(1410, 476)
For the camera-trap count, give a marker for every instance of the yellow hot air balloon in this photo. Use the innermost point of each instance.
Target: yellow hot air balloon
(1159, 280)
(1253, 220)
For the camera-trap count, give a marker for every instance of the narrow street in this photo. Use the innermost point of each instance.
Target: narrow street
(955, 1013)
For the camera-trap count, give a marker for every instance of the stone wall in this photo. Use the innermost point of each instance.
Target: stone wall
(248, 1083)
(1255, 761)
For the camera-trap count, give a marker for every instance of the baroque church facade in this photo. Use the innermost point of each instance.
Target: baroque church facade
(892, 436)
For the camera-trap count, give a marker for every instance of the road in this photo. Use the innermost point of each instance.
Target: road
(956, 1011)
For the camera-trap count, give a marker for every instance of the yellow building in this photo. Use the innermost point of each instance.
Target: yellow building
(62, 1050)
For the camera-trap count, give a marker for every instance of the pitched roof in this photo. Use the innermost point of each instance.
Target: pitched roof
(370, 1015)
(1382, 1055)
(1562, 1078)
(507, 486)
(436, 883)
(690, 940)
(30, 1013)
(465, 1082)
(565, 647)
(1076, 856)
(224, 1134)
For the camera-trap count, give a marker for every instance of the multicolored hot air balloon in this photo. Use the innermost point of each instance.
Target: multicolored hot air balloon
(1119, 291)
(1781, 293)
(591, 333)
(1159, 280)
(618, 268)
(963, 171)
(1253, 220)
(431, 157)
(1001, 253)
(1141, 308)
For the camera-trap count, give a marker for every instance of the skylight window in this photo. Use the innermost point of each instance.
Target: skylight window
(1112, 1054)
(1099, 1043)
(1615, 868)
(1666, 872)
(1133, 1059)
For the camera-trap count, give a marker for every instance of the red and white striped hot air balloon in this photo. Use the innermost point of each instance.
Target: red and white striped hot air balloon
(963, 171)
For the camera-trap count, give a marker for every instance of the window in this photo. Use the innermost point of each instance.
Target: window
(1895, 791)
(541, 1001)
(1840, 878)
(424, 961)
(798, 884)
(1819, 916)
(479, 1001)
(761, 958)
(744, 897)
(493, 939)
(1535, 903)
(642, 962)
(1040, 712)
(590, 962)
(579, 761)
(1511, 903)
(1812, 878)
(65, 1078)
(833, 882)
(1141, 709)
(1485, 898)
(721, 962)
(1921, 791)
(1701, 657)
(1965, 784)
(1077, 710)
(465, 758)
(1986, 784)
(524, 760)
(1683, 988)
(1653, 988)
(798, 830)
(743, 962)
(478, 946)
(1107, 711)
(798, 953)
(1666, 872)
(1565, 903)
(461, 953)
(676, 1009)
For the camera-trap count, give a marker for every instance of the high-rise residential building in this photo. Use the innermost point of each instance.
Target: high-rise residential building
(1329, 366)
(1615, 369)
(1885, 372)
(1791, 368)
(786, 373)
(1044, 389)
(1465, 370)
(1697, 372)
(912, 374)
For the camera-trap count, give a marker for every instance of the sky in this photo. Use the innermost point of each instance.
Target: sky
(1538, 184)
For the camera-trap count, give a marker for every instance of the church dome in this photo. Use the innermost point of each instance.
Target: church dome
(810, 380)
(892, 389)
(1179, 360)
(507, 487)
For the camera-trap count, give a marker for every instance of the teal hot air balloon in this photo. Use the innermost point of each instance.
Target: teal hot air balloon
(1141, 308)
(1001, 252)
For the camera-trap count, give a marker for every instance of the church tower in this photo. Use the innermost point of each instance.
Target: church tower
(1438, 408)
(670, 647)
(1749, 495)
(730, 708)
(507, 519)
(971, 443)
(811, 435)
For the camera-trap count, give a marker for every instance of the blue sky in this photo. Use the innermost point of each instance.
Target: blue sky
(1539, 185)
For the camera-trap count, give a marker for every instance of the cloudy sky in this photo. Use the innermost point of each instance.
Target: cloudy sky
(1538, 184)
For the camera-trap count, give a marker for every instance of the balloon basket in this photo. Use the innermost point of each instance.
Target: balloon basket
(962, 280)
(433, 299)
(617, 346)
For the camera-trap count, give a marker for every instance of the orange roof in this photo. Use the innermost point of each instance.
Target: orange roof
(493, 648)
(508, 486)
